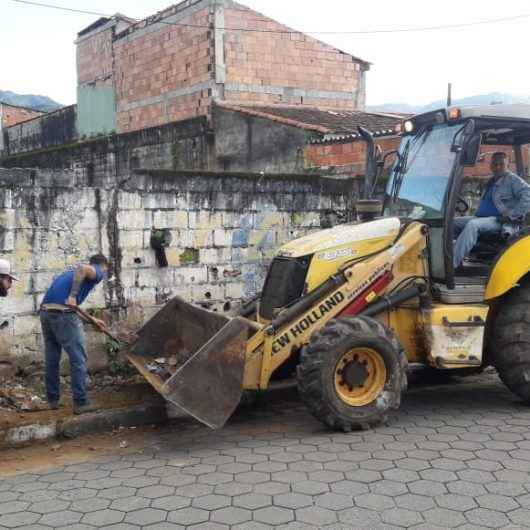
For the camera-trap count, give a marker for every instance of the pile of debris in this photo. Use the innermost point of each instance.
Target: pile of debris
(25, 394)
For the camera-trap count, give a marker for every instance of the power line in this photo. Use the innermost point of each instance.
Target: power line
(357, 32)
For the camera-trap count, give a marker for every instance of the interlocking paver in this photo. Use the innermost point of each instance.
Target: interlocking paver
(47, 506)
(231, 515)
(154, 492)
(146, 516)
(444, 517)
(520, 516)
(252, 501)
(235, 488)
(188, 516)
(60, 518)
(461, 487)
(273, 515)
(77, 494)
(500, 503)
(117, 492)
(211, 502)
(269, 488)
(293, 500)
(388, 487)
(13, 520)
(374, 502)
(444, 461)
(359, 518)
(427, 487)
(401, 517)
(103, 517)
(91, 505)
(316, 515)
(414, 502)
(349, 487)
(128, 504)
(310, 487)
(14, 506)
(488, 518)
(452, 501)
(334, 501)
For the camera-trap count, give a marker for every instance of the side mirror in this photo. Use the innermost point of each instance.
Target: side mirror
(462, 135)
(471, 150)
(372, 156)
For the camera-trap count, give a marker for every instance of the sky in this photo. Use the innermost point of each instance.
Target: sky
(38, 51)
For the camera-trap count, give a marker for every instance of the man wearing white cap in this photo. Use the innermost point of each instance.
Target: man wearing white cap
(6, 277)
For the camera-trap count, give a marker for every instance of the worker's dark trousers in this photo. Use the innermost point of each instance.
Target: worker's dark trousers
(64, 331)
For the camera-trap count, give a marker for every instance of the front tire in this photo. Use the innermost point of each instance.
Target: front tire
(352, 373)
(510, 351)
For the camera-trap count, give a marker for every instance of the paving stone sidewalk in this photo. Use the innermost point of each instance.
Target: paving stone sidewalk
(455, 456)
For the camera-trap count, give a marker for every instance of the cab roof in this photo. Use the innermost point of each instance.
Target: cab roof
(506, 124)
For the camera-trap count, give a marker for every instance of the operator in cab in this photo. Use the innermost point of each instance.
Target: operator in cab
(502, 208)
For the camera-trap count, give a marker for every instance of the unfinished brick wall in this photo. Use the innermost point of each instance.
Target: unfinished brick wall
(12, 114)
(284, 67)
(344, 154)
(224, 231)
(171, 65)
(163, 71)
(94, 59)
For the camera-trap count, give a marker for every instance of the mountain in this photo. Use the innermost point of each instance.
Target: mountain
(481, 99)
(43, 103)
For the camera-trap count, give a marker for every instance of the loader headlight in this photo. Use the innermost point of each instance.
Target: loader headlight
(408, 126)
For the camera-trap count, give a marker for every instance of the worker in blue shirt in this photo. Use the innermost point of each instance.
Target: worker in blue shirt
(62, 329)
(503, 206)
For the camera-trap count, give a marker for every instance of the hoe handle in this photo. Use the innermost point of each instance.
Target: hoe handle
(93, 321)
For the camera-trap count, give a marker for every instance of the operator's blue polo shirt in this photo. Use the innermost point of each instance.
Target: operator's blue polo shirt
(487, 207)
(61, 286)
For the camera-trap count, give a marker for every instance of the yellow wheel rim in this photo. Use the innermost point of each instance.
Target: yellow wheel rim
(360, 376)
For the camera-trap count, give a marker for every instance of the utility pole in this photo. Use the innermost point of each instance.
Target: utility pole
(449, 86)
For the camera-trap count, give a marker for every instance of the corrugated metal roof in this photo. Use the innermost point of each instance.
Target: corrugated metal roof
(332, 124)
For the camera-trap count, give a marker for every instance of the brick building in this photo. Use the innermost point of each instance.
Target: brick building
(172, 65)
(13, 114)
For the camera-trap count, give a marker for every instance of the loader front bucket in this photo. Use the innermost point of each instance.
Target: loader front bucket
(194, 358)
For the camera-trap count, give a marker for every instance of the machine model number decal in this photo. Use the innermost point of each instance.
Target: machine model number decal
(336, 254)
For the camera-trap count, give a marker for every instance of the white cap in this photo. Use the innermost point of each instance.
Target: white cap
(5, 269)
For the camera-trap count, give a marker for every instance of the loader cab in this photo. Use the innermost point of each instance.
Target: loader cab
(439, 172)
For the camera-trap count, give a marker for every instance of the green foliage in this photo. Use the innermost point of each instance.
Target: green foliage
(95, 312)
(190, 255)
(117, 364)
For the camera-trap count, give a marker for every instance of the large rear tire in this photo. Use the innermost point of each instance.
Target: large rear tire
(352, 373)
(510, 341)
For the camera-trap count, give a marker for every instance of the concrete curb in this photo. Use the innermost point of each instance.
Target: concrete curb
(153, 412)
(71, 427)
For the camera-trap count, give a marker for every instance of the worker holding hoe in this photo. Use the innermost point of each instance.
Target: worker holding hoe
(62, 329)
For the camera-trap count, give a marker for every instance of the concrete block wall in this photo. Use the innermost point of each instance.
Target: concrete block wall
(224, 230)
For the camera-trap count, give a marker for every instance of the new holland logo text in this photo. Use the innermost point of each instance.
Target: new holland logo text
(309, 320)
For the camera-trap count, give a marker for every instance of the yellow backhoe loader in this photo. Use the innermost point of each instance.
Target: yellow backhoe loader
(351, 309)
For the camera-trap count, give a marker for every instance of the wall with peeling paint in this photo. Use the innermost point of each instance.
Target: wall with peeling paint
(224, 229)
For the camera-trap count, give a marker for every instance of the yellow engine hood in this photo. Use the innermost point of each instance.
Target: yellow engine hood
(344, 241)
